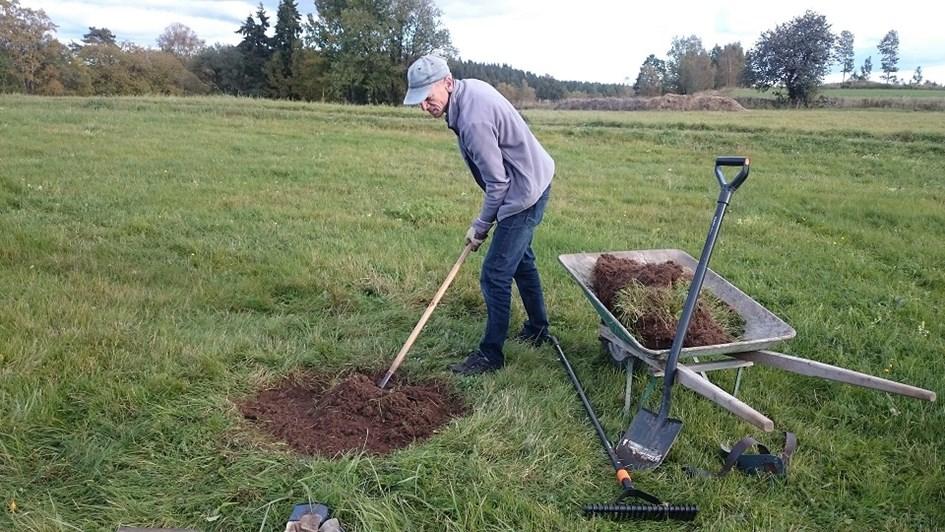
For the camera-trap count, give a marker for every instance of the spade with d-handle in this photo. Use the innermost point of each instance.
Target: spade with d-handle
(650, 436)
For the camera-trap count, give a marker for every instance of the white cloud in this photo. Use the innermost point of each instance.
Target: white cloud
(601, 40)
(592, 40)
(143, 21)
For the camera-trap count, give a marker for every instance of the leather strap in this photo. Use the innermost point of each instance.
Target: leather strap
(763, 462)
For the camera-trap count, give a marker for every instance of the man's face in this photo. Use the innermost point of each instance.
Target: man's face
(439, 96)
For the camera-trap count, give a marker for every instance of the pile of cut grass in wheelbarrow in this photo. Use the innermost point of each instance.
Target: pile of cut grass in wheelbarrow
(648, 300)
(326, 415)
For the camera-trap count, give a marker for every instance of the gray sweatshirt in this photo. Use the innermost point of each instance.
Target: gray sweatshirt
(504, 156)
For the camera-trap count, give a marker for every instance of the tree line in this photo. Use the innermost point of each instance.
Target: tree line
(523, 86)
(358, 51)
(354, 51)
(792, 59)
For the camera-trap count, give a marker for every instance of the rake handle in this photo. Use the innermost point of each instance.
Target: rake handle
(425, 317)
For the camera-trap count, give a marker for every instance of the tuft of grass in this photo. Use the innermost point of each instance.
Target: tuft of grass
(664, 305)
(635, 300)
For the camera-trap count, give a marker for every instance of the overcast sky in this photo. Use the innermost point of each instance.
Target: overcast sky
(591, 40)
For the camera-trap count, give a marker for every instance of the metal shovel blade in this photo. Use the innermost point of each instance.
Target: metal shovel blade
(648, 440)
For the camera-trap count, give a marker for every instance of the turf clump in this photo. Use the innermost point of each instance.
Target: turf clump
(648, 299)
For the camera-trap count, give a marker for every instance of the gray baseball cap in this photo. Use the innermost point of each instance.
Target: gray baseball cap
(422, 75)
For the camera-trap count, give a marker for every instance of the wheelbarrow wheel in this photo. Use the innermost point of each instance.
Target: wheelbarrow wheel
(618, 355)
(612, 352)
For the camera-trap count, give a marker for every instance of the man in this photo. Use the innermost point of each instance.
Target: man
(515, 173)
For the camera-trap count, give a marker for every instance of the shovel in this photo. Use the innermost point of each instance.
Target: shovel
(650, 436)
(423, 319)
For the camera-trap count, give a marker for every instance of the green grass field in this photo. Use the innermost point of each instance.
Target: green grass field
(859, 92)
(844, 92)
(162, 258)
(864, 97)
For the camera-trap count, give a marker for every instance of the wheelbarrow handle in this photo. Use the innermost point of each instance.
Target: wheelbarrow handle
(743, 162)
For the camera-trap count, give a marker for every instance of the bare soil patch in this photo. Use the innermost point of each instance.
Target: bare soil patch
(324, 415)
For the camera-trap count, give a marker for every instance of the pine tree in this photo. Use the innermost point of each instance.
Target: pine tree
(257, 50)
(286, 41)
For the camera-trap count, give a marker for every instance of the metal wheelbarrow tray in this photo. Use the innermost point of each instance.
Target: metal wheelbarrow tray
(763, 330)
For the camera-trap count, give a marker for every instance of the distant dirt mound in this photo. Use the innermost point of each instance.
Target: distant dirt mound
(354, 414)
(666, 102)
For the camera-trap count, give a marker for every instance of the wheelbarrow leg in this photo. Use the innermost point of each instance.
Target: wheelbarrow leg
(702, 374)
(692, 380)
(738, 382)
(627, 398)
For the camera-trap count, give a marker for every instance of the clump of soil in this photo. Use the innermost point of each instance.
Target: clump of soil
(315, 417)
(647, 299)
(612, 273)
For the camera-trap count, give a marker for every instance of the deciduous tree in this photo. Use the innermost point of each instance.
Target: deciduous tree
(220, 67)
(695, 72)
(729, 64)
(369, 44)
(845, 54)
(181, 41)
(652, 77)
(308, 79)
(795, 55)
(111, 70)
(27, 47)
(889, 50)
(680, 47)
(867, 69)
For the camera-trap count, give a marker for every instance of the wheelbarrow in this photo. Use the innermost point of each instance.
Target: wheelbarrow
(763, 330)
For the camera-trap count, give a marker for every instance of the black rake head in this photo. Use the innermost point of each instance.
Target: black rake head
(649, 512)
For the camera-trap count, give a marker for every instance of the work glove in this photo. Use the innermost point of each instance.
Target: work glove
(475, 237)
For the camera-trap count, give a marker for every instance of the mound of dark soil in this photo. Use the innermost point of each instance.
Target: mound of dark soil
(314, 417)
(611, 274)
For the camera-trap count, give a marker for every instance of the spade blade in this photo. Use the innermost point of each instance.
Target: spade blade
(648, 440)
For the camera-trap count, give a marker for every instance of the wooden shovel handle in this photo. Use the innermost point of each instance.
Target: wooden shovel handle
(426, 316)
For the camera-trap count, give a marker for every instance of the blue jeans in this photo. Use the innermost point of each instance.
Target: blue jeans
(510, 257)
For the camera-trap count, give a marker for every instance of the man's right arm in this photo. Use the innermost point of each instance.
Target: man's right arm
(482, 145)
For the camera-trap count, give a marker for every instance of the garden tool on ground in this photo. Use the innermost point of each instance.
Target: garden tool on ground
(653, 508)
